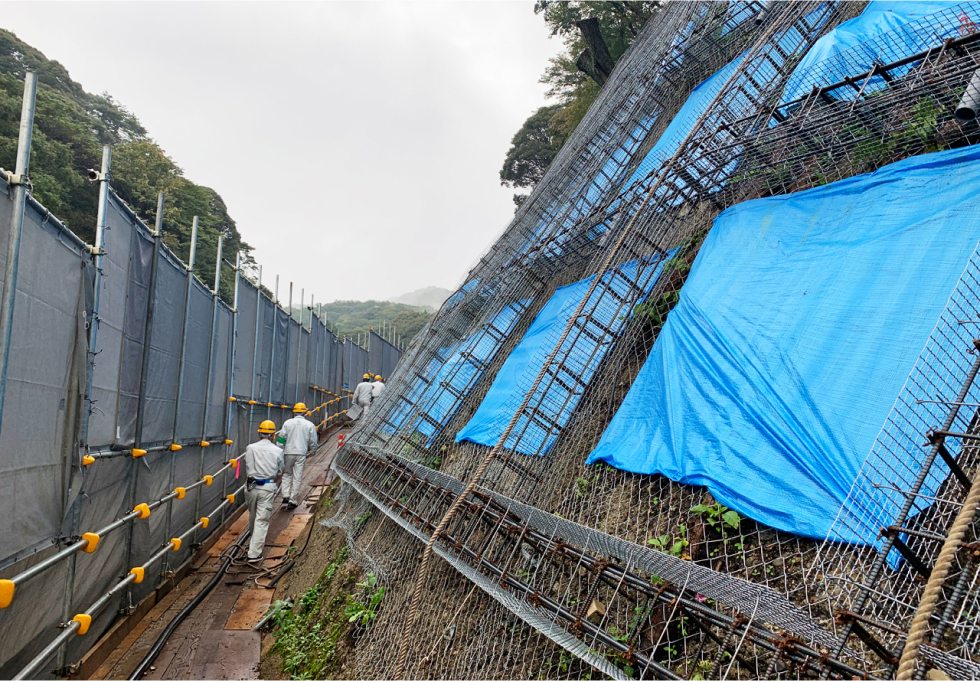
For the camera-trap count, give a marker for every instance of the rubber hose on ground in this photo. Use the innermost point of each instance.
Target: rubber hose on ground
(145, 663)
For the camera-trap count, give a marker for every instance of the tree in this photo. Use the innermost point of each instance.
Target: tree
(596, 35)
(532, 149)
(70, 128)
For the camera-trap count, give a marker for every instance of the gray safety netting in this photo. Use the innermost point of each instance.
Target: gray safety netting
(176, 372)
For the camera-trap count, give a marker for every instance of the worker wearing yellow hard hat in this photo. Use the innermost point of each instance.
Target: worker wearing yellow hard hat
(298, 439)
(361, 398)
(377, 387)
(263, 471)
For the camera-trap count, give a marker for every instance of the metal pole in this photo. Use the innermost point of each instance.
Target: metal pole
(144, 366)
(255, 349)
(210, 375)
(299, 341)
(16, 228)
(272, 363)
(230, 374)
(181, 366)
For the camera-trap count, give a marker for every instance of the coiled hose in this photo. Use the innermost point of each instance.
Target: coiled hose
(145, 663)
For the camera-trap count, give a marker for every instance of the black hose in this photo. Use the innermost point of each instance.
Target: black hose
(282, 573)
(145, 663)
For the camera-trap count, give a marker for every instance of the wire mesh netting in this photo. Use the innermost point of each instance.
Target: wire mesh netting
(636, 575)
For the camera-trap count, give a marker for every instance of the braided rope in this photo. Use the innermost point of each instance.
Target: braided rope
(934, 587)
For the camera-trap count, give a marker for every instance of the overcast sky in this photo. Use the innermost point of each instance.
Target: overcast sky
(357, 145)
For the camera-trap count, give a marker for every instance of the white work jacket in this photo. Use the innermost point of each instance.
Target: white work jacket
(300, 436)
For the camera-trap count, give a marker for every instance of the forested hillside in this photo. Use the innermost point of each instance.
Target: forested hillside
(595, 35)
(71, 125)
(350, 317)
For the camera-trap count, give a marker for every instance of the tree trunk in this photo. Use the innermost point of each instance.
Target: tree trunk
(595, 61)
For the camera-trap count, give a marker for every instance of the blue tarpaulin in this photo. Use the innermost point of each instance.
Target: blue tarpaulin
(555, 398)
(845, 50)
(796, 330)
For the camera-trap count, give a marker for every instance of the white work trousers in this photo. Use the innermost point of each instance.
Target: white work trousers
(292, 476)
(259, 500)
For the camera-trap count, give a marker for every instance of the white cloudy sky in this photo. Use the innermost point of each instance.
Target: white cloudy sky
(357, 145)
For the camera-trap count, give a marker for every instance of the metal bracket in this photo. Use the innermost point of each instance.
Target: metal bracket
(12, 179)
(95, 250)
(67, 670)
(127, 610)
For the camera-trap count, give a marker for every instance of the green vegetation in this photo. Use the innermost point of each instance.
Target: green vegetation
(350, 317)
(71, 126)
(595, 35)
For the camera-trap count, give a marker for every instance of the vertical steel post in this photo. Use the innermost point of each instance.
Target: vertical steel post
(299, 340)
(210, 376)
(16, 228)
(255, 350)
(314, 374)
(272, 364)
(230, 377)
(144, 365)
(285, 363)
(181, 367)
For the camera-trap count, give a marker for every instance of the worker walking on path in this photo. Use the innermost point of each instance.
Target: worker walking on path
(360, 401)
(263, 470)
(377, 387)
(298, 439)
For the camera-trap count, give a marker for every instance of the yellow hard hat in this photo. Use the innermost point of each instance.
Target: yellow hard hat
(366, 377)
(377, 377)
(267, 427)
(300, 407)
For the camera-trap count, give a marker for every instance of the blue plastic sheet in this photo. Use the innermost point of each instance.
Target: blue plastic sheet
(797, 328)
(555, 399)
(844, 52)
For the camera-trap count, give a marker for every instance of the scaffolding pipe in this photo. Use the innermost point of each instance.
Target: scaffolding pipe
(31, 670)
(255, 348)
(272, 362)
(16, 229)
(230, 371)
(211, 348)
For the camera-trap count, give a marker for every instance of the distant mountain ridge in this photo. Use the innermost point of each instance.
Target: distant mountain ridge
(431, 297)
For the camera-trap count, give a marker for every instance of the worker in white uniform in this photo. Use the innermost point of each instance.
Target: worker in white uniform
(377, 387)
(298, 439)
(263, 470)
(360, 400)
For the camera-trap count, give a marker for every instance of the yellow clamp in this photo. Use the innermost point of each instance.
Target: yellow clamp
(284, 406)
(88, 460)
(93, 542)
(205, 443)
(175, 447)
(204, 522)
(84, 622)
(139, 572)
(252, 402)
(344, 411)
(6, 592)
(176, 542)
(230, 498)
(228, 442)
(143, 510)
(232, 462)
(269, 404)
(232, 399)
(137, 453)
(180, 491)
(316, 387)
(208, 479)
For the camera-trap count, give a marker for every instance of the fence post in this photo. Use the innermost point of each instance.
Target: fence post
(16, 228)
(208, 382)
(299, 340)
(255, 351)
(272, 362)
(285, 363)
(141, 397)
(230, 375)
(181, 366)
